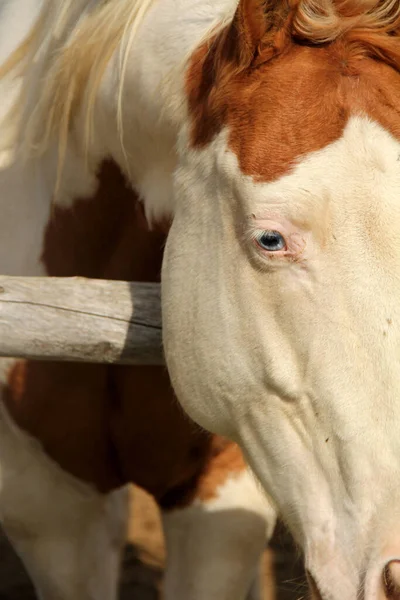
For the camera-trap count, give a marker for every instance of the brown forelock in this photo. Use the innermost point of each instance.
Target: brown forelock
(294, 97)
(111, 424)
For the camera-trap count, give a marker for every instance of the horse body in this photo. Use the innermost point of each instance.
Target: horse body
(74, 435)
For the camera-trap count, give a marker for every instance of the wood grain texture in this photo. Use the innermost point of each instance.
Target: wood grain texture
(78, 319)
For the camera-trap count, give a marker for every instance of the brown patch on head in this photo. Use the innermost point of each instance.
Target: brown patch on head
(287, 88)
(275, 114)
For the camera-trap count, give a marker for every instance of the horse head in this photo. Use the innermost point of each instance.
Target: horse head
(281, 278)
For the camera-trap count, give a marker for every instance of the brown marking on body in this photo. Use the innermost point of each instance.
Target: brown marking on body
(285, 86)
(225, 458)
(110, 425)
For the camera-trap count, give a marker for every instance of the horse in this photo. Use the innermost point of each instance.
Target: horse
(266, 133)
(73, 436)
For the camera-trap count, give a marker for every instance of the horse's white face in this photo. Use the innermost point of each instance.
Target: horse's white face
(281, 303)
(290, 342)
(281, 277)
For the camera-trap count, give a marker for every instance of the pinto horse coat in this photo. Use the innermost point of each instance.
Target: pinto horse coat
(266, 133)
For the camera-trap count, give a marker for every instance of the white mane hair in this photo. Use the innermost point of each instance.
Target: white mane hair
(60, 65)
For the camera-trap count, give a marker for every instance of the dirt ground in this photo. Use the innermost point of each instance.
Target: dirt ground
(281, 577)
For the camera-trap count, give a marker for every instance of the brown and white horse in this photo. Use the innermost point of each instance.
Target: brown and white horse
(269, 131)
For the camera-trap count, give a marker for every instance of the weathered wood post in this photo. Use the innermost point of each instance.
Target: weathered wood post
(78, 319)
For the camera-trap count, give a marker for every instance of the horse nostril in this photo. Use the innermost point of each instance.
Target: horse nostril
(315, 594)
(391, 580)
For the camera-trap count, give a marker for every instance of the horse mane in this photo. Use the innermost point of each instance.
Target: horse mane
(366, 27)
(322, 21)
(63, 59)
(60, 65)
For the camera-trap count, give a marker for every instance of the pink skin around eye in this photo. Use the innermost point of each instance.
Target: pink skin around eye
(295, 237)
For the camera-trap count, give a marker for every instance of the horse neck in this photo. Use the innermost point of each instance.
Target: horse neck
(154, 100)
(153, 113)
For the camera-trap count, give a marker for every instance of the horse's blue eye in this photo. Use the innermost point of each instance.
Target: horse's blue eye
(272, 241)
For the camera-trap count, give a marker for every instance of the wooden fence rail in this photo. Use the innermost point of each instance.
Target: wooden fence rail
(78, 319)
